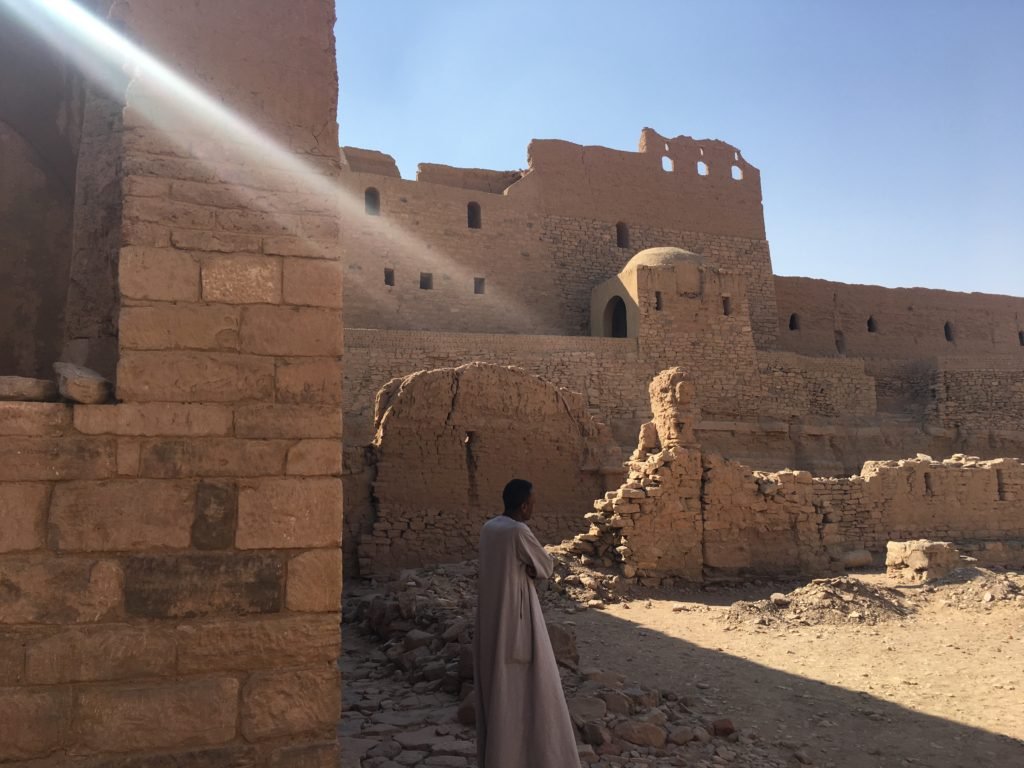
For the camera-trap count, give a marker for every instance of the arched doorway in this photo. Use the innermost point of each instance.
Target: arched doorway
(615, 318)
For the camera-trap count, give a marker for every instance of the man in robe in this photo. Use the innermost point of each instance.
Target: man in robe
(522, 719)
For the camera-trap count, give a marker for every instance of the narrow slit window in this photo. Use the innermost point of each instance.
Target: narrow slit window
(426, 281)
(872, 325)
(389, 276)
(948, 330)
(1000, 485)
(473, 216)
(479, 285)
(657, 300)
(622, 235)
(726, 306)
(794, 322)
(928, 489)
(371, 199)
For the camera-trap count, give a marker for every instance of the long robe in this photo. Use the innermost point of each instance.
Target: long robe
(522, 719)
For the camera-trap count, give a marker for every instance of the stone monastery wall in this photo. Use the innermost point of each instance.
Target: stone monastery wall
(979, 394)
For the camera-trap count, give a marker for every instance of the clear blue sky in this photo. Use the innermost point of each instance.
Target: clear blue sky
(889, 133)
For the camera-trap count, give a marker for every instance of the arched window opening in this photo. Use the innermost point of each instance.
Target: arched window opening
(702, 168)
(622, 235)
(872, 325)
(371, 199)
(615, 318)
(794, 322)
(840, 343)
(473, 215)
(737, 173)
(667, 165)
(948, 330)
(389, 276)
(726, 306)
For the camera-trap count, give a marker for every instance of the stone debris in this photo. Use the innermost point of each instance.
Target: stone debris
(920, 560)
(20, 388)
(408, 695)
(81, 385)
(837, 600)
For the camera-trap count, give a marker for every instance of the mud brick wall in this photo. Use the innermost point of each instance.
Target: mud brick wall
(606, 371)
(802, 386)
(975, 394)
(170, 564)
(447, 442)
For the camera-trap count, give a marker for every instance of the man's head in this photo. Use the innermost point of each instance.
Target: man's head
(518, 499)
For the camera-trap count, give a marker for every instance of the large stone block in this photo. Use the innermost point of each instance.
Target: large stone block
(292, 331)
(166, 586)
(278, 704)
(314, 457)
(312, 283)
(281, 421)
(324, 755)
(242, 279)
(212, 457)
(179, 326)
(20, 388)
(34, 419)
(213, 377)
(301, 246)
(158, 274)
(217, 757)
(157, 716)
(154, 419)
(921, 559)
(33, 723)
(314, 581)
(47, 590)
(214, 242)
(313, 381)
(57, 458)
(289, 513)
(12, 656)
(121, 515)
(112, 652)
(257, 643)
(23, 516)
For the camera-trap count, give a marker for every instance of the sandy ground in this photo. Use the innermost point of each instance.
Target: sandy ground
(942, 687)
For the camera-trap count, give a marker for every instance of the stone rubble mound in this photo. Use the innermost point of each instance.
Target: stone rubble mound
(839, 600)
(978, 588)
(408, 672)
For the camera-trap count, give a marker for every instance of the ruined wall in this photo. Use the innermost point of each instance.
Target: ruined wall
(171, 564)
(447, 442)
(907, 322)
(978, 394)
(829, 387)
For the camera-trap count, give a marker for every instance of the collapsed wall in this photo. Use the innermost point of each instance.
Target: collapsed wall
(684, 514)
(447, 442)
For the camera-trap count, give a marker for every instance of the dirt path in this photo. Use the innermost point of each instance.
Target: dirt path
(943, 687)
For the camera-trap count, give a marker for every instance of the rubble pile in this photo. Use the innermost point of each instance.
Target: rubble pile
(978, 588)
(838, 600)
(408, 684)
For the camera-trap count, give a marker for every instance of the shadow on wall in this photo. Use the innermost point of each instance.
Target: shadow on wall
(447, 442)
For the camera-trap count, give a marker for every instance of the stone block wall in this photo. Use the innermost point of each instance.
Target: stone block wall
(978, 394)
(170, 564)
(795, 385)
(447, 442)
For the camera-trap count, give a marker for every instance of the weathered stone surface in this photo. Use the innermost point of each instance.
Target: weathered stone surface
(25, 389)
(584, 709)
(81, 384)
(35, 722)
(314, 457)
(313, 381)
(212, 457)
(643, 734)
(289, 703)
(211, 377)
(288, 421)
(223, 757)
(216, 515)
(45, 590)
(920, 560)
(563, 643)
(121, 515)
(257, 643)
(180, 327)
(34, 419)
(25, 459)
(156, 716)
(155, 419)
(291, 331)
(278, 513)
(23, 516)
(314, 581)
(312, 283)
(111, 652)
(200, 585)
(326, 755)
(159, 274)
(240, 279)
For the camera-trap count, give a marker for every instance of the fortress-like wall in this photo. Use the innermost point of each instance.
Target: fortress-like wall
(978, 393)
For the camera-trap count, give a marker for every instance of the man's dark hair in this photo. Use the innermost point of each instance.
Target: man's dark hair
(517, 492)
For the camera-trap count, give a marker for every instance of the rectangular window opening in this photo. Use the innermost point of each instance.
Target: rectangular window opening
(479, 285)
(389, 276)
(1000, 485)
(657, 300)
(726, 306)
(426, 281)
